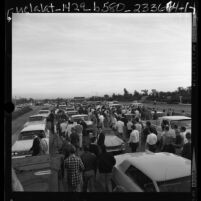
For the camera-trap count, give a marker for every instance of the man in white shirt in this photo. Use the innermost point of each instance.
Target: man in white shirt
(183, 134)
(69, 129)
(151, 142)
(139, 128)
(137, 113)
(120, 127)
(101, 119)
(63, 127)
(134, 139)
(129, 128)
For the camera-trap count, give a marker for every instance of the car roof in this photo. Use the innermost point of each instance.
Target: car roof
(39, 115)
(157, 166)
(34, 127)
(176, 118)
(44, 110)
(79, 115)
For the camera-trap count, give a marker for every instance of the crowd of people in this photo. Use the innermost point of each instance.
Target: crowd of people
(85, 156)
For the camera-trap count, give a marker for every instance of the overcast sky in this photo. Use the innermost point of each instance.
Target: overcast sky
(67, 55)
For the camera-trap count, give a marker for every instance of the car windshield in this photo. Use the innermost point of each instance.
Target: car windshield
(62, 107)
(69, 109)
(43, 112)
(180, 123)
(176, 185)
(37, 118)
(85, 118)
(140, 179)
(28, 135)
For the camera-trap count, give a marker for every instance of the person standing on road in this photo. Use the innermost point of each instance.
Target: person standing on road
(151, 142)
(43, 144)
(90, 163)
(129, 127)
(69, 128)
(147, 130)
(167, 142)
(100, 137)
(93, 147)
(74, 139)
(106, 162)
(63, 127)
(179, 142)
(51, 119)
(79, 129)
(66, 147)
(84, 127)
(36, 148)
(120, 127)
(183, 134)
(134, 139)
(74, 168)
(155, 115)
(186, 152)
(101, 120)
(138, 126)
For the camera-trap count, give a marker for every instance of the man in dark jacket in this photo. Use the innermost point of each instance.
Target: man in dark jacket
(101, 137)
(89, 161)
(186, 152)
(51, 119)
(147, 130)
(36, 148)
(106, 162)
(93, 147)
(74, 139)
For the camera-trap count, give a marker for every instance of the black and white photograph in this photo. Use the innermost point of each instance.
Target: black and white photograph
(102, 102)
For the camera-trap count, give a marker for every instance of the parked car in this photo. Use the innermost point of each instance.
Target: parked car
(136, 104)
(25, 139)
(84, 117)
(47, 112)
(159, 113)
(113, 143)
(62, 107)
(36, 119)
(71, 112)
(152, 172)
(174, 120)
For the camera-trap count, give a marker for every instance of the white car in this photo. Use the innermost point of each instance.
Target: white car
(136, 104)
(62, 107)
(36, 119)
(71, 112)
(174, 120)
(112, 142)
(47, 112)
(25, 139)
(159, 113)
(86, 119)
(152, 172)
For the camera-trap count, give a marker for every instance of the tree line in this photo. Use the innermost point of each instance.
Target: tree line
(180, 95)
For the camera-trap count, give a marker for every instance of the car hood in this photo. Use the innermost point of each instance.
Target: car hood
(112, 140)
(22, 145)
(33, 122)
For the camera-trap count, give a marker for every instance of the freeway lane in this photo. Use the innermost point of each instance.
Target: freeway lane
(18, 123)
